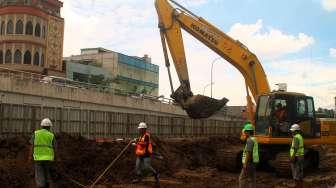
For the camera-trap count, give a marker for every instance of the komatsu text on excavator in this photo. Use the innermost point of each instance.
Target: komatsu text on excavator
(275, 111)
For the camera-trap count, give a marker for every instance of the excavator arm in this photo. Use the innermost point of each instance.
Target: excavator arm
(174, 17)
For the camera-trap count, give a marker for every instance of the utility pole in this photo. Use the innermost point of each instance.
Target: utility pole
(212, 71)
(207, 86)
(335, 109)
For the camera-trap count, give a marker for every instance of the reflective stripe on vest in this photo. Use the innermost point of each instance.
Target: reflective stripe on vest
(43, 145)
(300, 150)
(255, 154)
(141, 146)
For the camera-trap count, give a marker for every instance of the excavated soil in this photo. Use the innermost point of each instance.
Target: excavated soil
(199, 106)
(187, 163)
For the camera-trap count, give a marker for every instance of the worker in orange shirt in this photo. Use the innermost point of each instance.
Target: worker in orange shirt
(144, 152)
(282, 126)
(280, 113)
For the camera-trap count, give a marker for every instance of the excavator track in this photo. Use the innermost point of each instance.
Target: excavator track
(281, 164)
(229, 158)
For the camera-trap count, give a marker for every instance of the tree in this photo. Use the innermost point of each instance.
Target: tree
(97, 79)
(100, 80)
(144, 91)
(329, 113)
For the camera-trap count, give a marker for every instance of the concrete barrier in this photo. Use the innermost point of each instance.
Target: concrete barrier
(25, 101)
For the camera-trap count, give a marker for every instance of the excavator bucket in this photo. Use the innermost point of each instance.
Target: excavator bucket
(199, 106)
(196, 106)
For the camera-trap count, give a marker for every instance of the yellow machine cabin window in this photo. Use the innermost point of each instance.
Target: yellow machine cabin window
(263, 115)
(310, 103)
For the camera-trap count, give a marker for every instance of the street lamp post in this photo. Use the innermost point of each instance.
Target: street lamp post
(212, 71)
(207, 86)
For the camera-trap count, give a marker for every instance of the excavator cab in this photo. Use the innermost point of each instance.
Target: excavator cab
(277, 111)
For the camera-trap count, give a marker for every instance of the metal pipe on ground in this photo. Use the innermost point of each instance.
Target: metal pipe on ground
(110, 165)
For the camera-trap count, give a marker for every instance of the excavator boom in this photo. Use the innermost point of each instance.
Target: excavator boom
(173, 18)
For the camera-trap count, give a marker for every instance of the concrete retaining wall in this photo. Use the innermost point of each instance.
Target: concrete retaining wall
(16, 89)
(25, 101)
(24, 119)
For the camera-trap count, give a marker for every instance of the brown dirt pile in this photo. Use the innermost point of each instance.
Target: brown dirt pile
(187, 163)
(83, 160)
(14, 168)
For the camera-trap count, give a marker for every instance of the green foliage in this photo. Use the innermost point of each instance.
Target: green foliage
(97, 79)
(329, 113)
(144, 91)
(101, 81)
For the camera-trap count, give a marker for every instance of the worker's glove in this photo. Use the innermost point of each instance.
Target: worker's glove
(157, 155)
(29, 158)
(134, 141)
(292, 159)
(244, 169)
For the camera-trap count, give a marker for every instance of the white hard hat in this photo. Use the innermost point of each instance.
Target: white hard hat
(295, 127)
(142, 125)
(46, 122)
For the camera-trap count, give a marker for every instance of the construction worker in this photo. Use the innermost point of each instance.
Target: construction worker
(297, 155)
(43, 146)
(242, 134)
(250, 159)
(280, 113)
(281, 120)
(144, 151)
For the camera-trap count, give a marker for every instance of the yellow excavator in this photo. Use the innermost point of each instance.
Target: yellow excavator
(275, 111)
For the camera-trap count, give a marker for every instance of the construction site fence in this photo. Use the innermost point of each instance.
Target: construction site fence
(23, 119)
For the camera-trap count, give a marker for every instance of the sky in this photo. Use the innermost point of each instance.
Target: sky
(294, 40)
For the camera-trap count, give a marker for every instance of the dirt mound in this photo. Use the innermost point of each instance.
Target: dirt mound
(192, 153)
(82, 160)
(15, 171)
(14, 148)
(187, 163)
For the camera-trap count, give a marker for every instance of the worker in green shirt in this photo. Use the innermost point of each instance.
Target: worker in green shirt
(297, 155)
(42, 149)
(250, 159)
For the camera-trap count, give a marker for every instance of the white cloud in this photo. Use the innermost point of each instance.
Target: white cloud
(131, 28)
(311, 77)
(105, 23)
(193, 2)
(332, 52)
(110, 24)
(271, 43)
(329, 5)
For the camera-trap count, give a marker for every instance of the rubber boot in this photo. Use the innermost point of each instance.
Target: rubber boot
(298, 184)
(137, 179)
(157, 180)
(45, 186)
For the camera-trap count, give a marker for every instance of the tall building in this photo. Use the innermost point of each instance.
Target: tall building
(125, 73)
(31, 36)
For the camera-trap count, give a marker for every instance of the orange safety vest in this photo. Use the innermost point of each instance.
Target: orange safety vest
(280, 114)
(141, 146)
